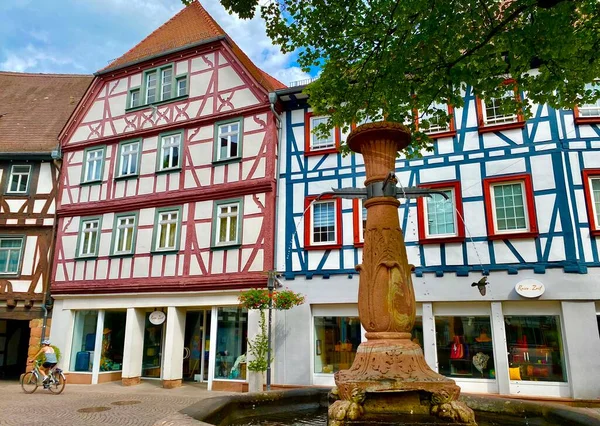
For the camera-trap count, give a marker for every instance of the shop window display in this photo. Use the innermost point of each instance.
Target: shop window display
(113, 340)
(535, 350)
(232, 332)
(84, 341)
(464, 347)
(336, 340)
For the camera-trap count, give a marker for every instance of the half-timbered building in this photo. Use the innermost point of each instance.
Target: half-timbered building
(167, 210)
(33, 110)
(522, 210)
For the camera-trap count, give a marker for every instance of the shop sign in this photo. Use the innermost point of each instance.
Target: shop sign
(530, 288)
(157, 317)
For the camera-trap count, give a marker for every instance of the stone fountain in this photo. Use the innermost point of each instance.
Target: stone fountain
(389, 374)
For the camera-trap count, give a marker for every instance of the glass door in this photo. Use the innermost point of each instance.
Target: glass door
(152, 356)
(197, 344)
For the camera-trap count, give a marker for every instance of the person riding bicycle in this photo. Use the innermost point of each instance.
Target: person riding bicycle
(50, 361)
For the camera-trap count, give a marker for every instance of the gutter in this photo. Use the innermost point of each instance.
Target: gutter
(160, 55)
(25, 156)
(273, 97)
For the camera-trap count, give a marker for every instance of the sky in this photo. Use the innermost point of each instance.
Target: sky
(83, 36)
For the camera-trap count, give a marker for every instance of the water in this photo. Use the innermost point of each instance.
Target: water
(318, 417)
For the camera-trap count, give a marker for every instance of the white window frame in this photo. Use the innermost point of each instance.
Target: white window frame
(19, 176)
(525, 207)
(148, 88)
(452, 199)
(499, 119)
(166, 82)
(128, 227)
(170, 142)
(9, 250)
(179, 80)
(361, 220)
(317, 144)
(335, 223)
(586, 108)
(165, 218)
(90, 251)
(433, 129)
(132, 94)
(228, 215)
(592, 201)
(126, 155)
(97, 163)
(228, 133)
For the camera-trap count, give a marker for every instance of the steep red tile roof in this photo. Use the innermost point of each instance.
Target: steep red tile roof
(191, 26)
(35, 107)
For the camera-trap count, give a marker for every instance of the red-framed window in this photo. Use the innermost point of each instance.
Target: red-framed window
(359, 216)
(588, 113)
(322, 223)
(440, 220)
(591, 186)
(316, 145)
(434, 128)
(490, 113)
(510, 207)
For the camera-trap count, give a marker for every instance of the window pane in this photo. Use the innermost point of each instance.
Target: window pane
(172, 234)
(464, 347)
(231, 344)
(113, 341)
(591, 110)
(84, 341)
(151, 87)
(163, 236)
(181, 86)
(336, 341)
(324, 222)
(500, 110)
(431, 123)
(166, 83)
(596, 198)
(233, 229)
(134, 99)
(319, 142)
(509, 207)
(440, 214)
(535, 348)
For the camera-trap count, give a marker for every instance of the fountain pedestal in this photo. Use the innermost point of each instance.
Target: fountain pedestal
(389, 374)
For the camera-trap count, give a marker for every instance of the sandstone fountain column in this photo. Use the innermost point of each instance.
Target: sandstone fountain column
(389, 374)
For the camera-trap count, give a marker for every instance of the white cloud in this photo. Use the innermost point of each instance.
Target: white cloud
(31, 57)
(252, 38)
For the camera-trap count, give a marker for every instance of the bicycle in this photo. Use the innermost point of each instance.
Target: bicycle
(31, 380)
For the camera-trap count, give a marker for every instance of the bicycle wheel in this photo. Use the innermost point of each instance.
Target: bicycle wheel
(29, 382)
(58, 383)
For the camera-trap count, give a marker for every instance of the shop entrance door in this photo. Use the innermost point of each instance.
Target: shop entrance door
(153, 347)
(14, 344)
(197, 344)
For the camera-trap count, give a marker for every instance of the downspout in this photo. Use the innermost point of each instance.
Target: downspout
(273, 100)
(56, 163)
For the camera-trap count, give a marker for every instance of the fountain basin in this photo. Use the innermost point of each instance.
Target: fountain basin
(308, 406)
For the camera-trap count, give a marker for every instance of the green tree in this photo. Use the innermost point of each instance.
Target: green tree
(389, 58)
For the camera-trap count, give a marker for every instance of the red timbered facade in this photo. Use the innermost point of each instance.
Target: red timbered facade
(166, 209)
(33, 109)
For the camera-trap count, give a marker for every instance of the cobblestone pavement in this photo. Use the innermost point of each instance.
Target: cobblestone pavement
(100, 405)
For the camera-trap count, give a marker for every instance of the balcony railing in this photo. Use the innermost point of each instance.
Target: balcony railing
(302, 82)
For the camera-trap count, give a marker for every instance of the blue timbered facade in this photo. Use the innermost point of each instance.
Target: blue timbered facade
(523, 210)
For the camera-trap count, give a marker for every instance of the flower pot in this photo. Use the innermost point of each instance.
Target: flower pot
(256, 380)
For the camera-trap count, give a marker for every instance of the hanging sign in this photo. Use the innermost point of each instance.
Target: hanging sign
(157, 317)
(530, 288)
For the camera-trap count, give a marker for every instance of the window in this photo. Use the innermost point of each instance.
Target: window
(497, 114)
(18, 181)
(336, 341)
(316, 144)
(134, 98)
(323, 223)
(434, 125)
(589, 113)
(89, 237)
(360, 221)
(510, 207)
(124, 234)
(151, 87)
(591, 185)
(167, 229)
(129, 159)
(228, 140)
(181, 86)
(232, 341)
(227, 223)
(464, 347)
(170, 152)
(440, 219)
(11, 249)
(166, 83)
(84, 341)
(535, 349)
(93, 166)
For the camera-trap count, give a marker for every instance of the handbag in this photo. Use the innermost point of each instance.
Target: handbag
(457, 351)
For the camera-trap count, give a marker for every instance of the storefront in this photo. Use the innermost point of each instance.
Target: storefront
(132, 338)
